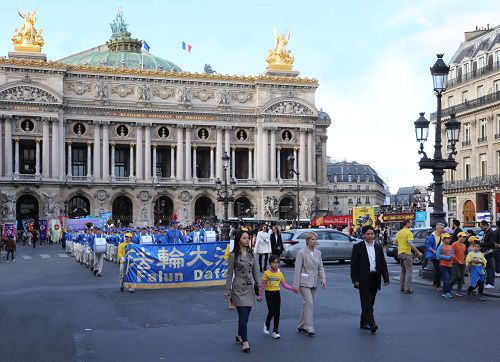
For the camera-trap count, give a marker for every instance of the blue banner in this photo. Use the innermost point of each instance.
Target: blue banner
(175, 265)
(43, 228)
(81, 224)
(420, 216)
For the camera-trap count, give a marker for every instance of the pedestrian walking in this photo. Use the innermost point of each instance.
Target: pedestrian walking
(497, 249)
(445, 255)
(458, 264)
(244, 287)
(431, 245)
(476, 263)
(455, 226)
(368, 267)
(11, 248)
(263, 246)
(308, 269)
(99, 250)
(276, 242)
(488, 250)
(404, 241)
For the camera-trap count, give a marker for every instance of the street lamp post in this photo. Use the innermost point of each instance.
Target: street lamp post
(291, 161)
(438, 164)
(225, 195)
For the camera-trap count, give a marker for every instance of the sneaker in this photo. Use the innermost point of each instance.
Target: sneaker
(276, 335)
(497, 275)
(449, 295)
(444, 295)
(266, 329)
(459, 294)
(130, 290)
(489, 286)
(13, 259)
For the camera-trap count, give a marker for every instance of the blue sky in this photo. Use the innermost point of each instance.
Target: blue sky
(371, 58)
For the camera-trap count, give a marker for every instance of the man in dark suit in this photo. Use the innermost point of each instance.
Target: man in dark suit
(368, 266)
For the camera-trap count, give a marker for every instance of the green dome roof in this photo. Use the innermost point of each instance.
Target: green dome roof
(121, 50)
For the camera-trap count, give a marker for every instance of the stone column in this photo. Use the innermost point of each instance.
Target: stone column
(113, 175)
(188, 153)
(57, 158)
(227, 140)
(310, 155)
(172, 161)
(89, 159)
(302, 154)
(218, 154)
(69, 171)
(37, 157)
(273, 154)
(138, 152)
(212, 162)
(16, 157)
(147, 153)
(295, 163)
(195, 176)
(233, 162)
(105, 151)
(8, 146)
(264, 154)
(258, 152)
(250, 164)
(180, 154)
(323, 158)
(131, 170)
(155, 178)
(97, 150)
(278, 163)
(45, 148)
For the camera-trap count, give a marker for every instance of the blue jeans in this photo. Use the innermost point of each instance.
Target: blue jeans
(490, 268)
(243, 314)
(446, 276)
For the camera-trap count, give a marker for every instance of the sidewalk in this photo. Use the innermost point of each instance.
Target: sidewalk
(418, 280)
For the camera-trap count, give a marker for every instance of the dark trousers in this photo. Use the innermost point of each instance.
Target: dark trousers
(265, 261)
(458, 276)
(480, 286)
(10, 252)
(490, 268)
(367, 294)
(446, 275)
(497, 261)
(243, 314)
(273, 300)
(437, 275)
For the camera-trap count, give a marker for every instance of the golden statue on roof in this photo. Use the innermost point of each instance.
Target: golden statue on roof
(28, 39)
(279, 58)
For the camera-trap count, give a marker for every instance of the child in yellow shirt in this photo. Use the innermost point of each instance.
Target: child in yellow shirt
(476, 263)
(271, 281)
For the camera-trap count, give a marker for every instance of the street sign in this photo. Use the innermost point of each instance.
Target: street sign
(399, 217)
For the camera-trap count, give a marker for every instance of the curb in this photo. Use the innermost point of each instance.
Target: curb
(420, 282)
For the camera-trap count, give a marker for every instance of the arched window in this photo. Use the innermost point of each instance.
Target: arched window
(78, 206)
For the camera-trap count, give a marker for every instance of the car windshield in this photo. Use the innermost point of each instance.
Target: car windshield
(286, 236)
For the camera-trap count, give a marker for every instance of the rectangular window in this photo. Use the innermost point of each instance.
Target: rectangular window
(480, 63)
(496, 86)
(467, 133)
(452, 204)
(121, 162)
(450, 101)
(367, 200)
(453, 73)
(358, 200)
(497, 56)
(452, 175)
(465, 68)
(480, 91)
(349, 200)
(482, 129)
(498, 162)
(28, 160)
(483, 165)
(350, 187)
(367, 187)
(467, 168)
(465, 96)
(358, 187)
(79, 161)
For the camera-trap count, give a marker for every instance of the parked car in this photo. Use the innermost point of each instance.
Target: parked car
(333, 244)
(419, 239)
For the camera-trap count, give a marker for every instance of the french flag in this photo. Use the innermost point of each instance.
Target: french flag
(186, 46)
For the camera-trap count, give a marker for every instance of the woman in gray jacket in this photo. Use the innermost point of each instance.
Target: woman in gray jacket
(241, 288)
(308, 269)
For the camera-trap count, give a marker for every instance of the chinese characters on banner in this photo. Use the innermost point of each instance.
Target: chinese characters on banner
(175, 265)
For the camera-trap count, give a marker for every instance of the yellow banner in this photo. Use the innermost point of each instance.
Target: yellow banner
(362, 216)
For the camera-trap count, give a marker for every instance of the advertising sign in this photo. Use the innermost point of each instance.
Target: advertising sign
(362, 216)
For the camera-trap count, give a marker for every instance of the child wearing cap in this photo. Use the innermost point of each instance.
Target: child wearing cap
(458, 263)
(444, 254)
(476, 262)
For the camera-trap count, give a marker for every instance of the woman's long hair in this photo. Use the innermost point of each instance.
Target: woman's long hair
(237, 237)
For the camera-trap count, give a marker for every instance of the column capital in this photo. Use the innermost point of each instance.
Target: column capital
(155, 145)
(69, 142)
(132, 145)
(45, 119)
(188, 126)
(296, 148)
(105, 123)
(278, 148)
(37, 140)
(250, 148)
(112, 144)
(324, 138)
(139, 124)
(173, 146)
(219, 128)
(89, 143)
(96, 122)
(16, 139)
(212, 147)
(302, 130)
(233, 148)
(273, 128)
(194, 147)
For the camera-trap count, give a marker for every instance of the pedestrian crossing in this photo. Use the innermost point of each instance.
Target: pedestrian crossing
(44, 256)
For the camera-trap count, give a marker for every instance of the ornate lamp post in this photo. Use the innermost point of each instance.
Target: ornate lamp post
(438, 164)
(225, 196)
(291, 162)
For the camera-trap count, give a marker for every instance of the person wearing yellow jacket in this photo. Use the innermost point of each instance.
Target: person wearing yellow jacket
(122, 250)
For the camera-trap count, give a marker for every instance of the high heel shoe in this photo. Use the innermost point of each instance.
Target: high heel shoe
(246, 349)
(238, 340)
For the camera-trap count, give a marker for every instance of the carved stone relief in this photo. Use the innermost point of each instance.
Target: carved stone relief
(222, 98)
(122, 90)
(163, 92)
(271, 206)
(8, 210)
(143, 93)
(78, 87)
(101, 91)
(203, 94)
(27, 93)
(183, 95)
(242, 97)
(289, 107)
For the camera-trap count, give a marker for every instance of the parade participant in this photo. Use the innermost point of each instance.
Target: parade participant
(11, 247)
(432, 243)
(162, 236)
(242, 288)
(98, 256)
(458, 263)
(368, 266)
(55, 234)
(194, 236)
(404, 241)
(174, 235)
(136, 239)
(476, 262)
(488, 250)
(308, 269)
(122, 250)
(445, 255)
(263, 246)
(271, 281)
(276, 242)
(207, 234)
